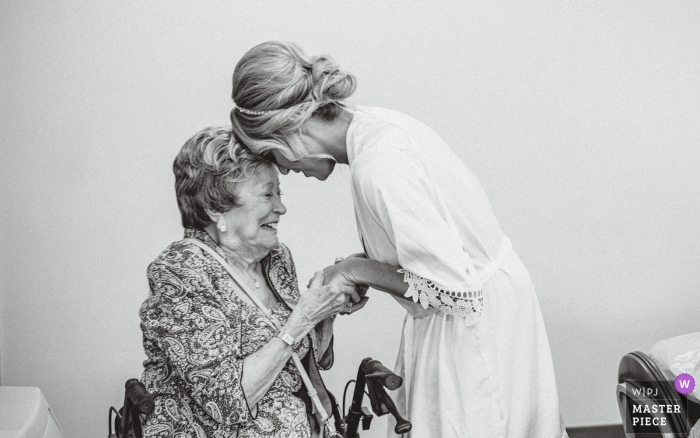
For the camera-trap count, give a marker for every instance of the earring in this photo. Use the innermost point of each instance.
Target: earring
(222, 228)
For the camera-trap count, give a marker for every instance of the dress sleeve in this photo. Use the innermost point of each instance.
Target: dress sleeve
(199, 340)
(394, 186)
(323, 336)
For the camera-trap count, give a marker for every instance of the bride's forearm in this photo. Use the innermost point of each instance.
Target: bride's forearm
(378, 275)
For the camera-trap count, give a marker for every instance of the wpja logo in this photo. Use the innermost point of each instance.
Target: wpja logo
(684, 383)
(647, 392)
(654, 407)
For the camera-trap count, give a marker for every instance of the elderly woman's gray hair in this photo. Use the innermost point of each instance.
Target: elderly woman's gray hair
(208, 170)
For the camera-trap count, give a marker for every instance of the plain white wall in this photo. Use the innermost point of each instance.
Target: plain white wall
(580, 118)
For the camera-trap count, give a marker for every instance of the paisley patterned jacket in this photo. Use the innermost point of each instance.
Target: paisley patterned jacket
(196, 333)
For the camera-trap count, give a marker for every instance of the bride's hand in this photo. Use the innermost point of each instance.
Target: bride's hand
(361, 289)
(341, 273)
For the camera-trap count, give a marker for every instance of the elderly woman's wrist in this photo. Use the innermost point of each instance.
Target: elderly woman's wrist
(298, 325)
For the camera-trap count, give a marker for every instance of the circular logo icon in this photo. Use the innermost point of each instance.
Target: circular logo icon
(684, 383)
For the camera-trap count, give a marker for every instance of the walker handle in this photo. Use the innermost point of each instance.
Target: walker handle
(376, 372)
(139, 396)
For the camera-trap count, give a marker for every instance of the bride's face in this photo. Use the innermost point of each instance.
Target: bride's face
(317, 167)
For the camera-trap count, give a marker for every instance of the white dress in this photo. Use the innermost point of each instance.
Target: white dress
(474, 352)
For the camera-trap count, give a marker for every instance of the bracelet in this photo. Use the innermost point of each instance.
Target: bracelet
(287, 338)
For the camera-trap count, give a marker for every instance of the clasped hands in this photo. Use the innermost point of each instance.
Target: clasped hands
(335, 290)
(341, 272)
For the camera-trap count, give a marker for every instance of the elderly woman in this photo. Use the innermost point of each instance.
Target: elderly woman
(474, 353)
(222, 367)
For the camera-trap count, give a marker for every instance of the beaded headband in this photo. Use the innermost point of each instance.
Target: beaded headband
(249, 112)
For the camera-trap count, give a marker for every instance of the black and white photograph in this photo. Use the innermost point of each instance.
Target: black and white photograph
(350, 219)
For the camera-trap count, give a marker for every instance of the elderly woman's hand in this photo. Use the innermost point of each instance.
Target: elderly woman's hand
(322, 301)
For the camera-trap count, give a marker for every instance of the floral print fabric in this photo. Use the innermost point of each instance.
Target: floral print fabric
(196, 333)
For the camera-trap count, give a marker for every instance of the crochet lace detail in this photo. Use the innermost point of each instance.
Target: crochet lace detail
(463, 303)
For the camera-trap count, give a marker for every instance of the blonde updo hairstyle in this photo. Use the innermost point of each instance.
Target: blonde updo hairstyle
(285, 87)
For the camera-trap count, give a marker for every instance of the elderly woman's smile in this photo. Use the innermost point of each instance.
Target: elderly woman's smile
(252, 223)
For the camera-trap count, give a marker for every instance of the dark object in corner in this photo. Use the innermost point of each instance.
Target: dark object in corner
(137, 401)
(609, 431)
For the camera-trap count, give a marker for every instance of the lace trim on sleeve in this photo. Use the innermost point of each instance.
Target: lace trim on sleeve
(464, 303)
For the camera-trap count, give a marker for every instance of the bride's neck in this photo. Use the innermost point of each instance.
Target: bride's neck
(333, 135)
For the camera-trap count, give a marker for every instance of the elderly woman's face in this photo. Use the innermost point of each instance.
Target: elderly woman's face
(254, 223)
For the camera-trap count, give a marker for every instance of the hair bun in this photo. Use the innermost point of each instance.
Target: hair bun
(277, 88)
(329, 82)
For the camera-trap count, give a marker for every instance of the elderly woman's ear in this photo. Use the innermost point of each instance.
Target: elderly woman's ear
(217, 218)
